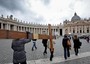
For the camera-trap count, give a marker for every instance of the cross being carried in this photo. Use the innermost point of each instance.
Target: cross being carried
(44, 36)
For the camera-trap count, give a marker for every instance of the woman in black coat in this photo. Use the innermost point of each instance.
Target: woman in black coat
(76, 44)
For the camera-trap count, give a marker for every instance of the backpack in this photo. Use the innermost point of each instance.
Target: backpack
(80, 43)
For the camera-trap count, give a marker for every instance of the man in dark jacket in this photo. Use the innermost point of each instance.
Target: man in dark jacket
(19, 54)
(44, 41)
(66, 47)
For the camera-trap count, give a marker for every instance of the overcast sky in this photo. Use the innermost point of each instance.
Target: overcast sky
(45, 11)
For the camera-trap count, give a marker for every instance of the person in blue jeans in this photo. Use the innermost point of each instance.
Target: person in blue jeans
(34, 44)
(66, 47)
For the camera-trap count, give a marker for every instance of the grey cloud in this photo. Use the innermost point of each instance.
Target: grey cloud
(8, 7)
(12, 5)
(46, 2)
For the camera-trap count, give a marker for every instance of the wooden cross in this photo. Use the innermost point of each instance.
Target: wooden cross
(50, 37)
(44, 36)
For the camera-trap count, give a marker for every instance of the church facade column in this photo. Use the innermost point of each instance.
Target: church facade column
(1, 25)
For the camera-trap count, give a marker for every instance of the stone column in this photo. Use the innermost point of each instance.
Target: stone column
(29, 29)
(15, 28)
(21, 28)
(71, 29)
(82, 29)
(39, 30)
(18, 28)
(68, 30)
(34, 30)
(8, 26)
(85, 29)
(76, 29)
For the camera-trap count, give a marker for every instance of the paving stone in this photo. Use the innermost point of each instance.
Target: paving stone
(6, 53)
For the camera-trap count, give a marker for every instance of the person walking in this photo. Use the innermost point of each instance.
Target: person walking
(34, 44)
(87, 38)
(19, 54)
(44, 41)
(77, 44)
(66, 46)
(51, 52)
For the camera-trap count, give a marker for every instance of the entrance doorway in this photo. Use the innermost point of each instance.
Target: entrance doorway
(60, 32)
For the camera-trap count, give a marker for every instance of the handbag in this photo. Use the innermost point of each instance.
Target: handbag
(69, 43)
(80, 43)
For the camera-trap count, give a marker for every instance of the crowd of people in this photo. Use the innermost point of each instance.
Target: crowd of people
(19, 54)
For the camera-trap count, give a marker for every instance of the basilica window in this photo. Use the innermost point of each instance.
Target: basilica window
(83, 32)
(73, 30)
(77, 31)
(80, 31)
(11, 27)
(87, 29)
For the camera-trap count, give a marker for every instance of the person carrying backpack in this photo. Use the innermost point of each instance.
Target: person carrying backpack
(66, 45)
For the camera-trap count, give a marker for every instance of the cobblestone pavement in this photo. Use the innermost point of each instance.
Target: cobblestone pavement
(6, 52)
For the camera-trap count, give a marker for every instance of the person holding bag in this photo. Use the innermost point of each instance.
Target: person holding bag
(77, 44)
(69, 44)
(66, 46)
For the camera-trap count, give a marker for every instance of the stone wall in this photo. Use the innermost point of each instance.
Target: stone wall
(6, 34)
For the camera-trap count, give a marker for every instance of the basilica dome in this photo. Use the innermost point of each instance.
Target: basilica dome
(75, 17)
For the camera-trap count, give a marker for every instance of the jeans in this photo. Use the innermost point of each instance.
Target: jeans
(66, 52)
(34, 45)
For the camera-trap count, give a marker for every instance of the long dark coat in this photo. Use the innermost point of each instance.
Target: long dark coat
(19, 54)
(76, 43)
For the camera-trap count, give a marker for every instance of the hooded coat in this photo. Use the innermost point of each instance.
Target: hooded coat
(18, 46)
